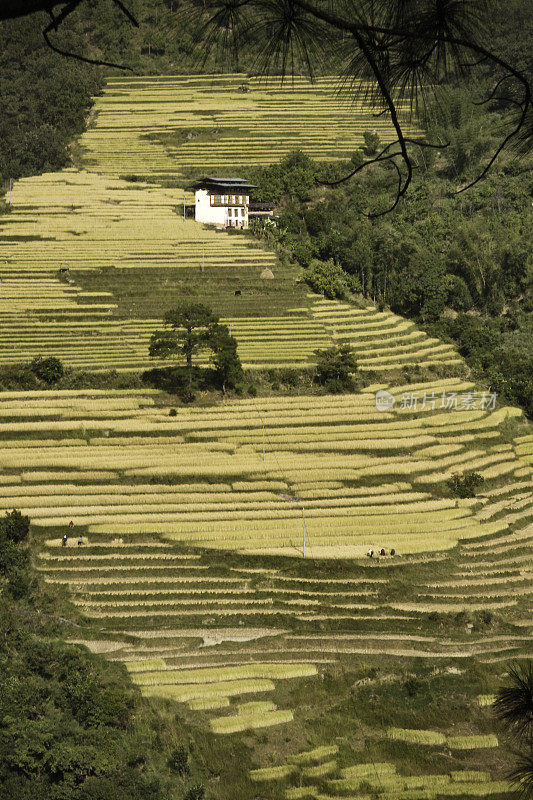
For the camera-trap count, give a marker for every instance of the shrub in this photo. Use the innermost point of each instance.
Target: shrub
(459, 297)
(174, 380)
(49, 370)
(372, 143)
(14, 527)
(329, 279)
(335, 368)
(18, 377)
(465, 485)
(302, 250)
(179, 760)
(196, 792)
(289, 376)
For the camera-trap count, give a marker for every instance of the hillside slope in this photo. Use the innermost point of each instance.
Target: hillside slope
(328, 673)
(129, 252)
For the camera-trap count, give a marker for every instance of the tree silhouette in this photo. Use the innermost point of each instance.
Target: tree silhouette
(192, 327)
(397, 52)
(186, 333)
(514, 708)
(13, 9)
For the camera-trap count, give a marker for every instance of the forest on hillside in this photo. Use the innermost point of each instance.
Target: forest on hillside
(460, 266)
(71, 723)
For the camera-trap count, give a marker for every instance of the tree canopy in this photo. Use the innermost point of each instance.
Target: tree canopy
(191, 328)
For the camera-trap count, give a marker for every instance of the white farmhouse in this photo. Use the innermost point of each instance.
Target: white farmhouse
(222, 201)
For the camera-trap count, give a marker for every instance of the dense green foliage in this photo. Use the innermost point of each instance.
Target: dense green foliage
(500, 349)
(460, 265)
(44, 98)
(335, 368)
(192, 328)
(71, 725)
(14, 561)
(49, 370)
(329, 279)
(465, 485)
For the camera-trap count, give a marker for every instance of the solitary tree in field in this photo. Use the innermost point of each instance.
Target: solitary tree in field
(192, 327)
(514, 708)
(185, 335)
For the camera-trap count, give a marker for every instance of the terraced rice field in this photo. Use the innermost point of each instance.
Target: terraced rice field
(372, 481)
(95, 223)
(329, 780)
(381, 340)
(192, 540)
(160, 126)
(159, 500)
(86, 221)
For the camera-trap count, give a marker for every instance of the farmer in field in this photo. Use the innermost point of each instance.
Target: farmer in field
(370, 553)
(64, 540)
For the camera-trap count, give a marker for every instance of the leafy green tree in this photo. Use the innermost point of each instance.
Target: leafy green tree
(357, 158)
(372, 143)
(335, 368)
(465, 485)
(420, 288)
(293, 177)
(226, 362)
(329, 279)
(185, 335)
(458, 298)
(194, 328)
(15, 527)
(49, 370)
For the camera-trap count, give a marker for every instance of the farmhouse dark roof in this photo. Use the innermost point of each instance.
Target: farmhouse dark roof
(224, 185)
